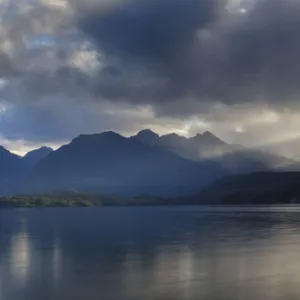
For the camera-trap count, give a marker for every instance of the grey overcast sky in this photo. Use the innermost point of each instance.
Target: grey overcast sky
(83, 66)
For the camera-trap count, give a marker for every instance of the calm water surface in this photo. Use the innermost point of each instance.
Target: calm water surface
(150, 253)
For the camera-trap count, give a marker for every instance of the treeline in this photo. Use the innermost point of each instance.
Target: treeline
(78, 199)
(49, 201)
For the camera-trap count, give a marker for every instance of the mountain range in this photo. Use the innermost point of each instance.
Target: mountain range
(143, 164)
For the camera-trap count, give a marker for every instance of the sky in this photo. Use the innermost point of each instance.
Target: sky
(228, 66)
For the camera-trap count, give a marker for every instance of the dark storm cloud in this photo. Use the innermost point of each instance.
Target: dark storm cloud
(151, 38)
(158, 30)
(262, 60)
(179, 58)
(202, 50)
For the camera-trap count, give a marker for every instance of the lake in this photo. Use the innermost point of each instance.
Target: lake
(150, 253)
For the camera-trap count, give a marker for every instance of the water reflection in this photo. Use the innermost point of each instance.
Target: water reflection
(57, 261)
(20, 253)
(149, 253)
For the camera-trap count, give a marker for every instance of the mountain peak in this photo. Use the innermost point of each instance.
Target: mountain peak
(34, 156)
(45, 148)
(96, 136)
(41, 149)
(147, 132)
(147, 136)
(173, 136)
(109, 134)
(208, 134)
(207, 137)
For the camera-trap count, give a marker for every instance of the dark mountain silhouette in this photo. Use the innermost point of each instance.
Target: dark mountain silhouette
(10, 163)
(34, 156)
(12, 169)
(145, 164)
(147, 137)
(253, 188)
(109, 162)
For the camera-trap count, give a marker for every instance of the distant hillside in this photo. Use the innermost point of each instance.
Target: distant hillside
(254, 188)
(206, 146)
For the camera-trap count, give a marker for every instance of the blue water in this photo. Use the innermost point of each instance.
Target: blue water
(150, 253)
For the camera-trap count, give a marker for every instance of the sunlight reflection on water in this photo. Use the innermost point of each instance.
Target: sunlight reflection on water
(20, 253)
